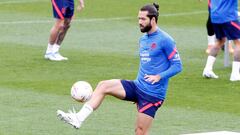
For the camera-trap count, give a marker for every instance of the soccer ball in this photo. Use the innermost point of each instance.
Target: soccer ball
(81, 91)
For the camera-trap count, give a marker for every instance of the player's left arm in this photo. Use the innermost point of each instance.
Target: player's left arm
(175, 67)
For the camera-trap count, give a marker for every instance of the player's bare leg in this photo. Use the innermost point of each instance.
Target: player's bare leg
(54, 32)
(211, 43)
(208, 70)
(216, 48)
(60, 37)
(143, 124)
(63, 30)
(109, 87)
(230, 47)
(57, 35)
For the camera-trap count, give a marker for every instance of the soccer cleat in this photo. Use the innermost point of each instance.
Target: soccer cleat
(209, 74)
(235, 77)
(55, 56)
(59, 56)
(52, 57)
(69, 118)
(47, 55)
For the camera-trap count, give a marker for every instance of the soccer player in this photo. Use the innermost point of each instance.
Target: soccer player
(211, 35)
(63, 11)
(224, 16)
(159, 61)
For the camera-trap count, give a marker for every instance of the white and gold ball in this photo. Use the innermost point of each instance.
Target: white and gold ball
(81, 91)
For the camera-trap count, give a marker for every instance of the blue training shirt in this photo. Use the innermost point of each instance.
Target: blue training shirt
(223, 10)
(158, 55)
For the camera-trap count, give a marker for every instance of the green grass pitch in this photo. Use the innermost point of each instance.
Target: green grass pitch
(102, 44)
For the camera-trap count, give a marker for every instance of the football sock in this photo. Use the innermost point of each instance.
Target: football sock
(211, 40)
(210, 62)
(84, 112)
(49, 48)
(55, 48)
(235, 67)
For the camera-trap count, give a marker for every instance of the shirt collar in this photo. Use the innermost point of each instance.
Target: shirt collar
(154, 33)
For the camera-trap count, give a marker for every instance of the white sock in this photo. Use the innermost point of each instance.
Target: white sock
(49, 48)
(84, 112)
(210, 62)
(211, 40)
(55, 48)
(236, 67)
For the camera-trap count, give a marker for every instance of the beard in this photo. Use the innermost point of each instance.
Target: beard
(147, 28)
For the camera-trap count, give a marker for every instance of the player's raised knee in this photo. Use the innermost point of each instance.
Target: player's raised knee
(102, 86)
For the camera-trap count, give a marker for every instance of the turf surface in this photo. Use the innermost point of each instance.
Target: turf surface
(102, 44)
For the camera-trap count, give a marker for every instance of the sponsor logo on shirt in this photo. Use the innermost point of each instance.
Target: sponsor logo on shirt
(144, 56)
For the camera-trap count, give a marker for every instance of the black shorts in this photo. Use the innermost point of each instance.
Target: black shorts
(209, 25)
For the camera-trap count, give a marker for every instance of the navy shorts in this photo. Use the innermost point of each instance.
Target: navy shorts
(145, 103)
(63, 8)
(231, 30)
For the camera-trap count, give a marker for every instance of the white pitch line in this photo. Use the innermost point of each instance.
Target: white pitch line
(216, 133)
(75, 20)
(99, 19)
(19, 1)
(185, 13)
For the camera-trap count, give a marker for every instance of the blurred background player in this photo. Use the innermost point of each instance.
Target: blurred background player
(159, 61)
(224, 17)
(211, 35)
(63, 11)
(210, 31)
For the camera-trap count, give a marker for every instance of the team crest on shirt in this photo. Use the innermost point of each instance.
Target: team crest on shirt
(153, 46)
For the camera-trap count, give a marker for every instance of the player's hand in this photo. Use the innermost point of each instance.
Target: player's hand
(81, 5)
(152, 78)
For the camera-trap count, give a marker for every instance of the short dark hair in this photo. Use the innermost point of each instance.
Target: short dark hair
(152, 10)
